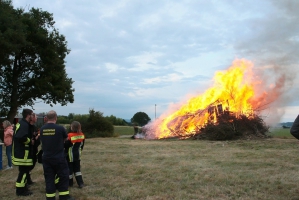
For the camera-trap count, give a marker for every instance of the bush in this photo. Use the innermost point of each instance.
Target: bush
(62, 120)
(115, 121)
(97, 126)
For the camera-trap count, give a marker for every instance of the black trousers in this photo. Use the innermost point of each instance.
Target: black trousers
(74, 168)
(34, 159)
(59, 167)
(22, 177)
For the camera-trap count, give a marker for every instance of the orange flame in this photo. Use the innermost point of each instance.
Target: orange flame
(232, 91)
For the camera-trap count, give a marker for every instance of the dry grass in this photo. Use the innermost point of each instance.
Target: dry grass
(122, 168)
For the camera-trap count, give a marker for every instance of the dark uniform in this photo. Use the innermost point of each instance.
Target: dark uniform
(295, 128)
(22, 155)
(73, 147)
(52, 137)
(34, 131)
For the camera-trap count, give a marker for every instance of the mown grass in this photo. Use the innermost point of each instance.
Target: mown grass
(123, 130)
(125, 169)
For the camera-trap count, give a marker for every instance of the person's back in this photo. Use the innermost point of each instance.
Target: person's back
(73, 147)
(52, 137)
(77, 144)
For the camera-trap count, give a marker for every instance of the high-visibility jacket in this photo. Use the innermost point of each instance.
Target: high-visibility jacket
(21, 148)
(74, 146)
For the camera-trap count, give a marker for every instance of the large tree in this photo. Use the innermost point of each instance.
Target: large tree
(32, 54)
(140, 118)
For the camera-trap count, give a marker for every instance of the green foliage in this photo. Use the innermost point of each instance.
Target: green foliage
(71, 116)
(140, 118)
(32, 54)
(115, 121)
(93, 124)
(80, 118)
(62, 120)
(96, 125)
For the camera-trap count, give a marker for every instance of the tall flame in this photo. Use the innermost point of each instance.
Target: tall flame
(232, 91)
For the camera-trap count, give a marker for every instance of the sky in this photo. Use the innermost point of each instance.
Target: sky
(130, 56)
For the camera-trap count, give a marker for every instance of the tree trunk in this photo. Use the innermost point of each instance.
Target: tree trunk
(11, 114)
(14, 105)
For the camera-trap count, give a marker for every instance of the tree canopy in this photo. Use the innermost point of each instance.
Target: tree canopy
(140, 118)
(32, 65)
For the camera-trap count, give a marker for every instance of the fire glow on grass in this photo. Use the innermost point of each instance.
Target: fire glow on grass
(233, 92)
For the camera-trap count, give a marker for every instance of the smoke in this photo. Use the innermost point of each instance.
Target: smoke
(274, 93)
(273, 46)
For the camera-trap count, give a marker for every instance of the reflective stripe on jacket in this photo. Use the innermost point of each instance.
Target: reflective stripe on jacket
(21, 148)
(74, 146)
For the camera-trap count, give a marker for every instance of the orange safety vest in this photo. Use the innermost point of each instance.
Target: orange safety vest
(76, 137)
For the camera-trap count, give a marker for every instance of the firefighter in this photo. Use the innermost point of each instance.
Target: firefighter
(73, 147)
(22, 152)
(52, 137)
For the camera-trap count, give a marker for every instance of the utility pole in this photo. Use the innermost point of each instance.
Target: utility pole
(155, 111)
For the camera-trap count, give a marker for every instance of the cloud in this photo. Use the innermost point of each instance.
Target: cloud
(128, 55)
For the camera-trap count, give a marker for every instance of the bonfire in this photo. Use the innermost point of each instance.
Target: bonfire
(228, 110)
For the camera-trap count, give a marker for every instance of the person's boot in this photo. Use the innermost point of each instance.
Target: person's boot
(66, 197)
(22, 191)
(79, 180)
(71, 182)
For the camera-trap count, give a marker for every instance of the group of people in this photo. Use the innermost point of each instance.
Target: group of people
(61, 153)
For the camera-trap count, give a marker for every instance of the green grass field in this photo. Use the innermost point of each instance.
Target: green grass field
(280, 132)
(123, 130)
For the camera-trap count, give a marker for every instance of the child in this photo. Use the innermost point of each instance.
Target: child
(8, 134)
(73, 147)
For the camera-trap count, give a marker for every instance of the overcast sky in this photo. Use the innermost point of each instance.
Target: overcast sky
(130, 55)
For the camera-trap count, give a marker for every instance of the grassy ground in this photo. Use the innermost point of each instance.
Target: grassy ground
(123, 130)
(277, 132)
(125, 169)
(280, 132)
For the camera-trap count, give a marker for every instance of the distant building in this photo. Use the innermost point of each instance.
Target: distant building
(39, 123)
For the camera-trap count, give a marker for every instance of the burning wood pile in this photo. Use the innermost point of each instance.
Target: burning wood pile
(221, 124)
(228, 110)
(225, 125)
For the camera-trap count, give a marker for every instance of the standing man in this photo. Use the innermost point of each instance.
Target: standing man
(52, 137)
(22, 152)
